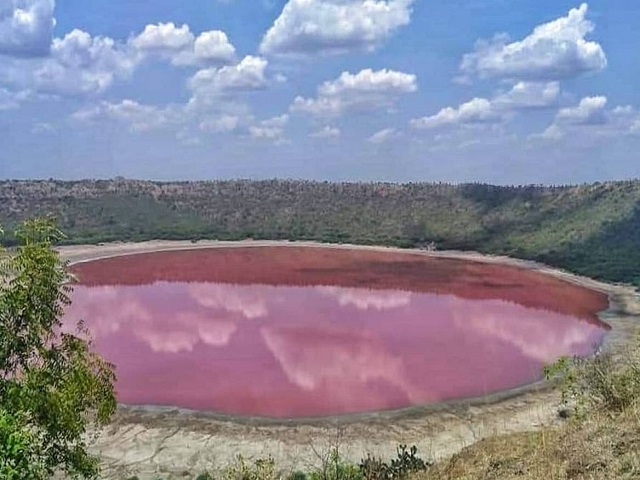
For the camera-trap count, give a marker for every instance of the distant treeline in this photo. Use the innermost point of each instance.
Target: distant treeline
(593, 229)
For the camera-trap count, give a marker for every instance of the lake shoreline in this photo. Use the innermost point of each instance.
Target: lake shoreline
(132, 443)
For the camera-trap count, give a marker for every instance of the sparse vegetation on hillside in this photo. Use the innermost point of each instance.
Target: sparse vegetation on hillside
(601, 440)
(590, 229)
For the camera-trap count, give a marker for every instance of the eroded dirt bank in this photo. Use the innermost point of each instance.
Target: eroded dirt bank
(148, 442)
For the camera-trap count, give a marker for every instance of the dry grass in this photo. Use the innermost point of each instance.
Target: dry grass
(601, 441)
(599, 448)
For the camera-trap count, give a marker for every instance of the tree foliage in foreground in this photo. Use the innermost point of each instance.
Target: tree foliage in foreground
(52, 386)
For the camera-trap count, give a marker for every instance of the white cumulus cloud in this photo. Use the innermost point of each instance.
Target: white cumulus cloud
(478, 110)
(78, 64)
(365, 90)
(26, 27)
(220, 124)
(213, 46)
(270, 129)
(525, 95)
(383, 136)
(82, 63)
(591, 117)
(247, 75)
(590, 111)
(326, 132)
(164, 36)
(334, 26)
(137, 117)
(555, 50)
(182, 47)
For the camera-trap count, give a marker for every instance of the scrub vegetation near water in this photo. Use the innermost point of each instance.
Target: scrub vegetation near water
(592, 230)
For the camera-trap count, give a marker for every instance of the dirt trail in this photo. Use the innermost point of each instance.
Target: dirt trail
(149, 442)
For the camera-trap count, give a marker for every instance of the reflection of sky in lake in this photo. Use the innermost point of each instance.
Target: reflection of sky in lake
(292, 351)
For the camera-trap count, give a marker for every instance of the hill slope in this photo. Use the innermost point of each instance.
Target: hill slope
(590, 229)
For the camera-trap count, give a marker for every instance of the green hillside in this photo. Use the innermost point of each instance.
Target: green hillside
(590, 229)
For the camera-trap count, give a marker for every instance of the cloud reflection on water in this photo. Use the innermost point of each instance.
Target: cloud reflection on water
(365, 299)
(317, 350)
(530, 331)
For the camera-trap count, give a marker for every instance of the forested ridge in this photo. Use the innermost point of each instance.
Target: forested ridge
(590, 229)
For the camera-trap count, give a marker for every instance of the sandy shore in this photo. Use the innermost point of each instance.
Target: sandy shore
(148, 442)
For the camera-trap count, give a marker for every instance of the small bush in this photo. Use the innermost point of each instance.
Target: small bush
(298, 476)
(335, 468)
(406, 463)
(373, 468)
(608, 384)
(242, 469)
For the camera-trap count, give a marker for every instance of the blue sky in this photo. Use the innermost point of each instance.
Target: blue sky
(515, 91)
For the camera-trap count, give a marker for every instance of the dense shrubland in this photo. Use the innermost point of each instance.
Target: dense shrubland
(590, 229)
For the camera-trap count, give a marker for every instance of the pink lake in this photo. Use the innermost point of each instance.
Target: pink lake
(289, 332)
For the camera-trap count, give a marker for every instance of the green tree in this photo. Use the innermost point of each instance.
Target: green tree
(53, 388)
(20, 454)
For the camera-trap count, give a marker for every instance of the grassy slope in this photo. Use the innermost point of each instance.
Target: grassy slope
(602, 447)
(602, 441)
(591, 229)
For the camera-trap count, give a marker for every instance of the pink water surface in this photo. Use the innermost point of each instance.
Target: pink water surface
(278, 350)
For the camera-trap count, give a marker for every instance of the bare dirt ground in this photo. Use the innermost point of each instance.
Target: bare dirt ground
(149, 442)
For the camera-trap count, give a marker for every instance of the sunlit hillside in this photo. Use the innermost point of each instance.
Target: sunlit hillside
(590, 229)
